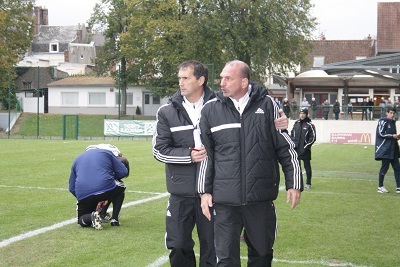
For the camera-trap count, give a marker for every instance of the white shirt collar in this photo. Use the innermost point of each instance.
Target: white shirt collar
(242, 102)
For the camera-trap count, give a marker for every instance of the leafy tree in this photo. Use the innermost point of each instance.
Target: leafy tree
(111, 18)
(16, 33)
(269, 35)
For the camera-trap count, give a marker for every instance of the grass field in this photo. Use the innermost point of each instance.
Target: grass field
(341, 221)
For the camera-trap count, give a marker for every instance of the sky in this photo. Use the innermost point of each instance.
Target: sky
(337, 20)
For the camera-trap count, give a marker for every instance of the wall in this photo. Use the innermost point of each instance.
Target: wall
(325, 128)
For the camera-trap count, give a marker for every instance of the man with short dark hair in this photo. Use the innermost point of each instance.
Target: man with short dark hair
(387, 149)
(303, 135)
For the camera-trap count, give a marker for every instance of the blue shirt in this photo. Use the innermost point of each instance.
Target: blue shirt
(94, 172)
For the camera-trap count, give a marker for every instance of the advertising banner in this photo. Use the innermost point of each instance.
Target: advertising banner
(351, 138)
(129, 127)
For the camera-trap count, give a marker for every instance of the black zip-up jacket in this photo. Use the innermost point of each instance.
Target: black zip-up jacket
(385, 144)
(303, 135)
(244, 150)
(171, 142)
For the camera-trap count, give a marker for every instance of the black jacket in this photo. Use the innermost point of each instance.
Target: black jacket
(244, 150)
(385, 144)
(171, 142)
(303, 135)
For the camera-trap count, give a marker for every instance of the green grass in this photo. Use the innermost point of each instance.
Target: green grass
(341, 221)
(51, 125)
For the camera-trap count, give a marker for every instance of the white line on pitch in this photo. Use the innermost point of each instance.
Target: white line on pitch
(66, 189)
(14, 239)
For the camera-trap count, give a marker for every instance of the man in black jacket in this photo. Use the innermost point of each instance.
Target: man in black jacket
(303, 135)
(387, 148)
(241, 172)
(176, 142)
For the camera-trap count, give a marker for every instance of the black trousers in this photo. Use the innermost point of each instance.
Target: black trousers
(86, 206)
(307, 168)
(259, 222)
(385, 166)
(183, 213)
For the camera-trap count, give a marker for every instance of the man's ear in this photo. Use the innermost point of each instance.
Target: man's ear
(201, 80)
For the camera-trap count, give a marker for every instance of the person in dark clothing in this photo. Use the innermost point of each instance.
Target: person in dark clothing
(387, 149)
(241, 173)
(336, 109)
(370, 109)
(286, 107)
(364, 110)
(314, 107)
(303, 135)
(177, 143)
(325, 109)
(93, 179)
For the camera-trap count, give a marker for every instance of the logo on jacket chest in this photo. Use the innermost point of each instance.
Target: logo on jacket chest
(259, 111)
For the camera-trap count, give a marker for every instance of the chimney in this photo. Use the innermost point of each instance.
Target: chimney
(79, 36)
(66, 56)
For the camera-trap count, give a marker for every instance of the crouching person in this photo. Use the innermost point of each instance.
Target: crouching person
(95, 175)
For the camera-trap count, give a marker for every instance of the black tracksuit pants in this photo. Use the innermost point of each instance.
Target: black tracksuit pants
(87, 205)
(182, 214)
(259, 222)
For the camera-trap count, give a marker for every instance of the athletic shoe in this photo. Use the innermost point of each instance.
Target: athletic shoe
(382, 190)
(105, 218)
(96, 221)
(398, 190)
(308, 186)
(114, 222)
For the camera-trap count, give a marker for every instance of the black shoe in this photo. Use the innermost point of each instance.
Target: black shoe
(114, 222)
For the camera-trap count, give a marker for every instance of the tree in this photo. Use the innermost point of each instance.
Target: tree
(161, 35)
(111, 18)
(272, 35)
(16, 34)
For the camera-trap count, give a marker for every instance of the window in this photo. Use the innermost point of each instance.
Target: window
(97, 98)
(69, 99)
(156, 100)
(147, 99)
(318, 61)
(53, 47)
(129, 99)
(27, 85)
(33, 93)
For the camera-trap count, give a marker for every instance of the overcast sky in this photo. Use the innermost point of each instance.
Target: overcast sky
(338, 19)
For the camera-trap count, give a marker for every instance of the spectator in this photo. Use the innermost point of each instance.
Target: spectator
(387, 149)
(314, 107)
(364, 109)
(304, 103)
(382, 106)
(286, 107)
(336, 109)
(293, 106)
(241, 173)
(370, 110)
(325, 109)
(350, 109)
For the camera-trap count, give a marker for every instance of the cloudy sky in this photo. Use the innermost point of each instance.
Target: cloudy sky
(338, 19)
